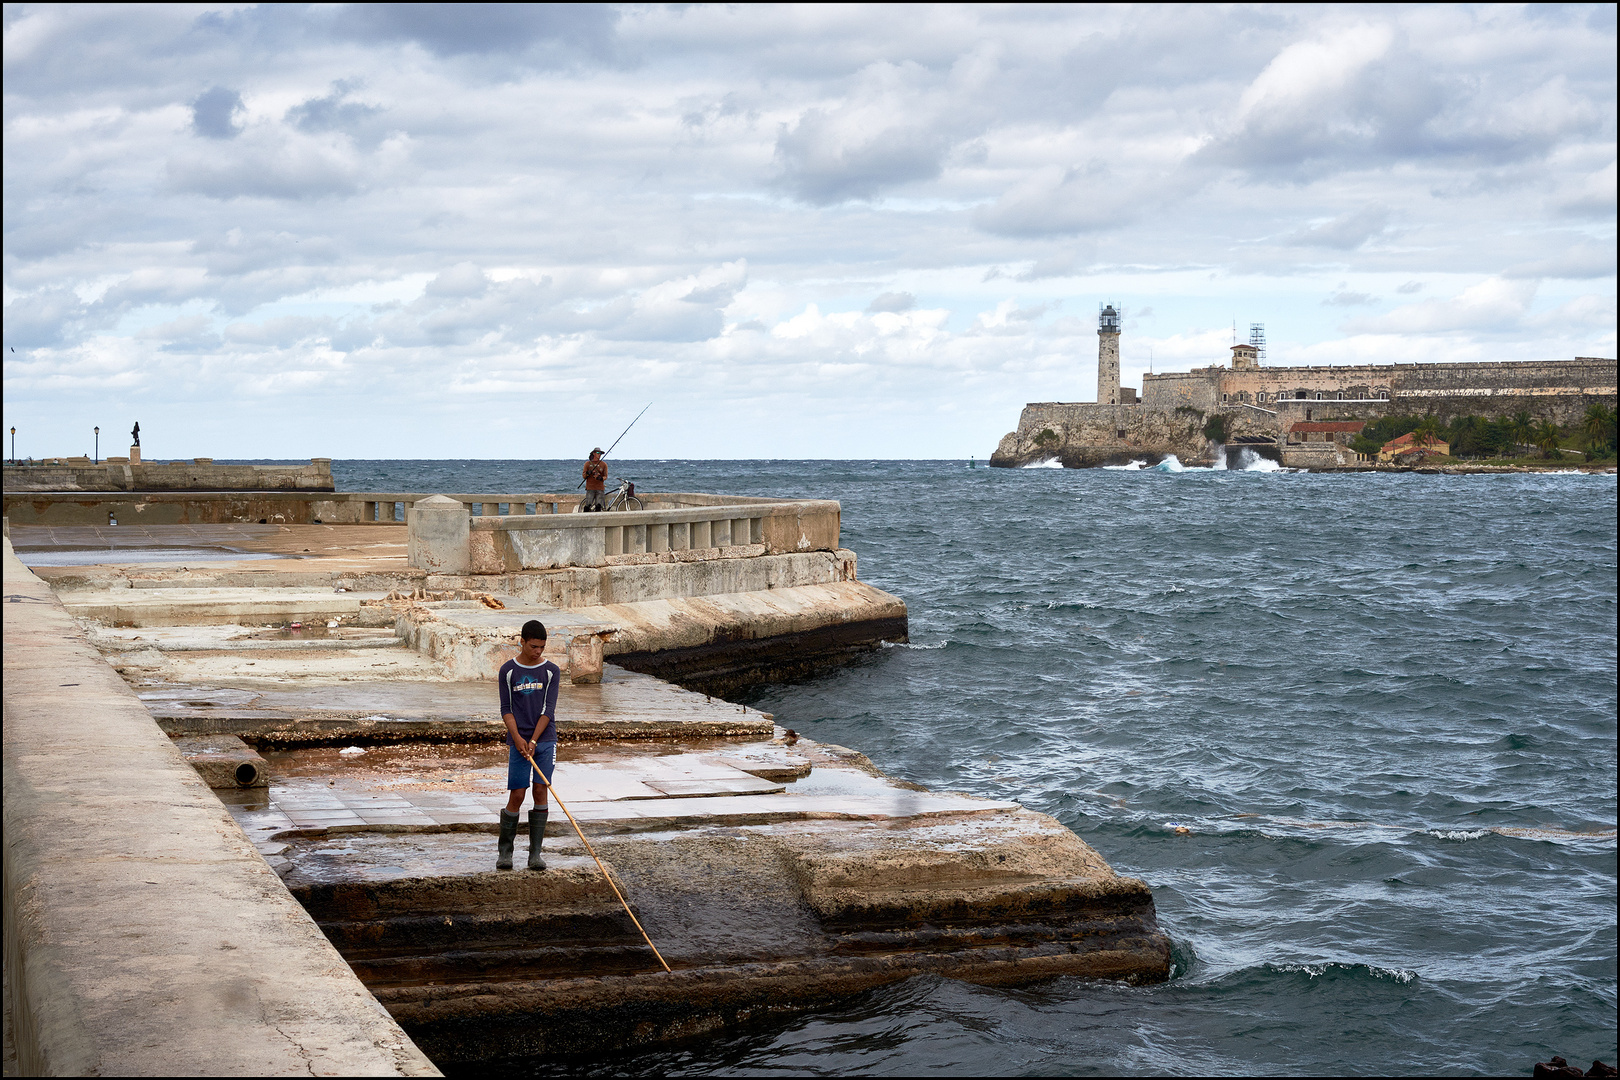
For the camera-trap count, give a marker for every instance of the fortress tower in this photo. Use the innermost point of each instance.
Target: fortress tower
(1108, 357)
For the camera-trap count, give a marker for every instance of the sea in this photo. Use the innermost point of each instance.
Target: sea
(1357, 732)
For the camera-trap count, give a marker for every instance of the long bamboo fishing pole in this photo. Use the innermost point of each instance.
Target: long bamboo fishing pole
(605, 875)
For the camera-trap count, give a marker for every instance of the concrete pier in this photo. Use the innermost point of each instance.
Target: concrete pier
(774, 872)
(143, 934)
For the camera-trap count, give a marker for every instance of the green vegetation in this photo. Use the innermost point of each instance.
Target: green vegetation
(1046, 438)
(1215, 428)
(1511, 438)
(1598, 429)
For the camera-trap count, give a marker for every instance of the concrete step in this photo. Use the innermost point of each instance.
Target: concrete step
(316, 635)
(196, 607)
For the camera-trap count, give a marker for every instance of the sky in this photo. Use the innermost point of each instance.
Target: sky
(489, 231)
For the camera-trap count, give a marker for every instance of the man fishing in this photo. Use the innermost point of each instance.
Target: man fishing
(595, 482)
(528, 686)
(595, 471)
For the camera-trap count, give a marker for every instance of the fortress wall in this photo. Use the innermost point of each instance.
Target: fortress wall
(1558, 389)
(1089, 434)
(1190, 389)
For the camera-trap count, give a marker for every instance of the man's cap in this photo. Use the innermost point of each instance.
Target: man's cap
(533, 629)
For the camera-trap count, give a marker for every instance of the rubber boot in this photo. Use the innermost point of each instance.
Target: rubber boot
(537, 836)
(509, 824)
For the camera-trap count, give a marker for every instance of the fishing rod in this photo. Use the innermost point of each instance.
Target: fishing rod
(626, 431)
(616, 442)
(605, 875)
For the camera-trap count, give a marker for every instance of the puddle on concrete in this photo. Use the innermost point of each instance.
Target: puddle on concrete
(197, 697)
(363, 857)
(57, 556)
(317, 628)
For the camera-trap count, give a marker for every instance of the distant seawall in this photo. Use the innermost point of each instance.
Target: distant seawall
(1265, 402)
(199, 474)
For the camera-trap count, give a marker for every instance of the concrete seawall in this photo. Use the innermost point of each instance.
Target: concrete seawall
(199, 474)
(144, 934)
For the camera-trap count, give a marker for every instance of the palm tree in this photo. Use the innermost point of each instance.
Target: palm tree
(1427, 431)
(1521, 429)
(1547, 438)
(1599, 420)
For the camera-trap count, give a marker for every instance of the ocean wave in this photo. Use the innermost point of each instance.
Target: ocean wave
(1045, 463)
(1524, 832)
(1335, 967)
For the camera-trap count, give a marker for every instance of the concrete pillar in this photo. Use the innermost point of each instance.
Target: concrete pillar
(658, 538)
(585, 659)
(492, 509)
(700, 534)
(439, 530)
(679, 536)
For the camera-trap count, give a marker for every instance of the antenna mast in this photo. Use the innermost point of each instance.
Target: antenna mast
(1257, 338)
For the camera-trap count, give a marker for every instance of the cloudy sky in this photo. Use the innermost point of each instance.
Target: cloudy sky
(490, 231)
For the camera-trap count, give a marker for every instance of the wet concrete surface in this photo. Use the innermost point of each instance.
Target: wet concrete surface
(253, 699)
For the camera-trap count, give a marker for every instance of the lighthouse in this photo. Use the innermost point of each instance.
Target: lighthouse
(1108, 356)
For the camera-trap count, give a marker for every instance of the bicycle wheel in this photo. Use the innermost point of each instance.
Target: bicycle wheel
(632, 503)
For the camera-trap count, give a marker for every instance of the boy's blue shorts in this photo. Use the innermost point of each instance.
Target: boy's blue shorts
(519, 774)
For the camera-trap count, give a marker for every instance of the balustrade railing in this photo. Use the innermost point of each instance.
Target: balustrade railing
(704, 526)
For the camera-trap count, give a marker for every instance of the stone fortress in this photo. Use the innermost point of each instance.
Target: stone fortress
(1260, 406)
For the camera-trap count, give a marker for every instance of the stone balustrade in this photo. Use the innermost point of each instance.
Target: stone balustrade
(447, 538)
(72, 507)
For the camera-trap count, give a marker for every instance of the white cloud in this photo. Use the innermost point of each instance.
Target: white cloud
(759, 213)
(1493, 304)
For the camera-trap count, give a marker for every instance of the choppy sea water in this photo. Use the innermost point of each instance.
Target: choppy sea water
(1357, 732)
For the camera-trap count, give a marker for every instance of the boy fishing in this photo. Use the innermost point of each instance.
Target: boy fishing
(528, 685)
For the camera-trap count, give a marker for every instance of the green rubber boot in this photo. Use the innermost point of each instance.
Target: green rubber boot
(509, 824)
(537, 836)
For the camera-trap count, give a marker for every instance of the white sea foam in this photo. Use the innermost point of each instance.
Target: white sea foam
(1458, 834)
(1249, 461)
(1135, 466)
(1045, 463)
(1316, 971)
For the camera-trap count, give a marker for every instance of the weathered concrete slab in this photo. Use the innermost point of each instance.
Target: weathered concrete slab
(713, 642)
(367, 710)
(144, 935)
(242, 639)
(771, 915)
(191, 607)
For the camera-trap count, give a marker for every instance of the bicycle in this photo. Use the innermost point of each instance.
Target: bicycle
(623, 497)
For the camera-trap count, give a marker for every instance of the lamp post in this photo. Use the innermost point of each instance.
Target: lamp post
(14, 446)
(97, 459)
